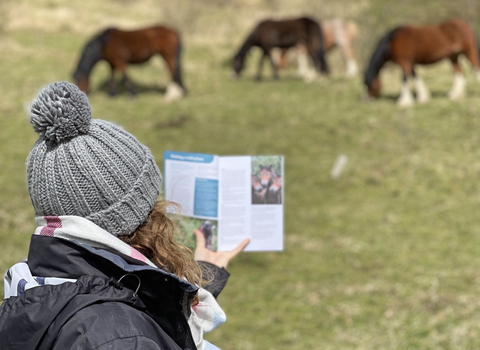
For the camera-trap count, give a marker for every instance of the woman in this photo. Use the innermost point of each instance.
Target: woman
(103, 270)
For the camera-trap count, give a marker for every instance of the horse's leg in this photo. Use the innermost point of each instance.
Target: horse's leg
(423, 95)
(274, 66)
(175, 90)
(406, 97)
(344, 42)
(283, 61)
(129, 85)
(458, 88)
(302, 58)
(472, 54)
(260, 67)
(311, 74)
(122, 66)
(112, 86)
(351, 69)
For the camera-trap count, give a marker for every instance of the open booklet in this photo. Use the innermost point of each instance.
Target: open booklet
(227, 198)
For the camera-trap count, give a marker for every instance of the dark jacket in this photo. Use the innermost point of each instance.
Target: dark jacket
(147, 309)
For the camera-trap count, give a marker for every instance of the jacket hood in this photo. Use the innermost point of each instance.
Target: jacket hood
(34, 320)
(33, 315)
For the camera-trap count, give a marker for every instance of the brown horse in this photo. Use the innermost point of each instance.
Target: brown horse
(283, 34)
(408, 45)
(336, 33)
(274, 194)
(120, 48)
(258, 191)
(267, 175)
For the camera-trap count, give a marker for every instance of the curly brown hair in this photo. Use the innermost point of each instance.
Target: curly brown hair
(155, 240)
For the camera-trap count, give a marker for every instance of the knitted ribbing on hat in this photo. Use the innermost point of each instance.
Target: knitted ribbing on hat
(88, 168)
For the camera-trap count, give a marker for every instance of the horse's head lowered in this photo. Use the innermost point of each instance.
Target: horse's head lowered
(373, 88)
(238, 64)
(81, 80)
(91, 54)
(381, 55)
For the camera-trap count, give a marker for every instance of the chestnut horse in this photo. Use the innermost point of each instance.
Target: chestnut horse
(120, 48)
(283, 34)
(336, 33)
(408, 45)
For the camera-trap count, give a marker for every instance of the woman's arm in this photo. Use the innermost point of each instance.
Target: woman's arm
(213, 264)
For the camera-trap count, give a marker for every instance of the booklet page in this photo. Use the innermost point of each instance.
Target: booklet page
(191, 180)
(251, 202)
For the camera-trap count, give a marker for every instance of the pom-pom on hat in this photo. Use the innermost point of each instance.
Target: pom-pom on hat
(88, 167)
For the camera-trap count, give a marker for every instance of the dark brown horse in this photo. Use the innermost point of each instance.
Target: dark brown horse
(408, 46)
(120, 48)
(283, 34)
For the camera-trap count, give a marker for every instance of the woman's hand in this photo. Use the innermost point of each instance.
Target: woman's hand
(220, 259)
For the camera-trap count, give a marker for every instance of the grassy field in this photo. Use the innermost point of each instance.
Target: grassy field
(385, 257)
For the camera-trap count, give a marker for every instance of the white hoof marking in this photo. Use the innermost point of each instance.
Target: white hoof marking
(406, 97)
(423, 95)
(174, 92)
(458, 88)
(352, 68)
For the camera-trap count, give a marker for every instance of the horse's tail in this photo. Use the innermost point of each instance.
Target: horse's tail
(91, 54)
(314, 31)
(177, 75)
(321, 51)
(477, 42)
(381, 55)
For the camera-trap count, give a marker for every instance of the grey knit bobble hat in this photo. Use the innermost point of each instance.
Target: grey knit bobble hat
(88, 168)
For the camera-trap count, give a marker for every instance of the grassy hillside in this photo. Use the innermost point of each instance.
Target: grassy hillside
(385, 257)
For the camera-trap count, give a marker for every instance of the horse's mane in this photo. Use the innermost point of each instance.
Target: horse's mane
(247, 44)
(379, 57)
(91, 53)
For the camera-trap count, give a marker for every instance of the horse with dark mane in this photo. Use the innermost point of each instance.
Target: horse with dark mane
(283, 34)
(408, 45)
(120, 48)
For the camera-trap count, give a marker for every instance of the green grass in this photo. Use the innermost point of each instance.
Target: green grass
(385, 257)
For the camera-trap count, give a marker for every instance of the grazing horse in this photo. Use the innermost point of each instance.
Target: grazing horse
(274, 195)
(283, 34)
(120, 48)
(408, 45)
(207, 229)
(258, 191)
(336, 33)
